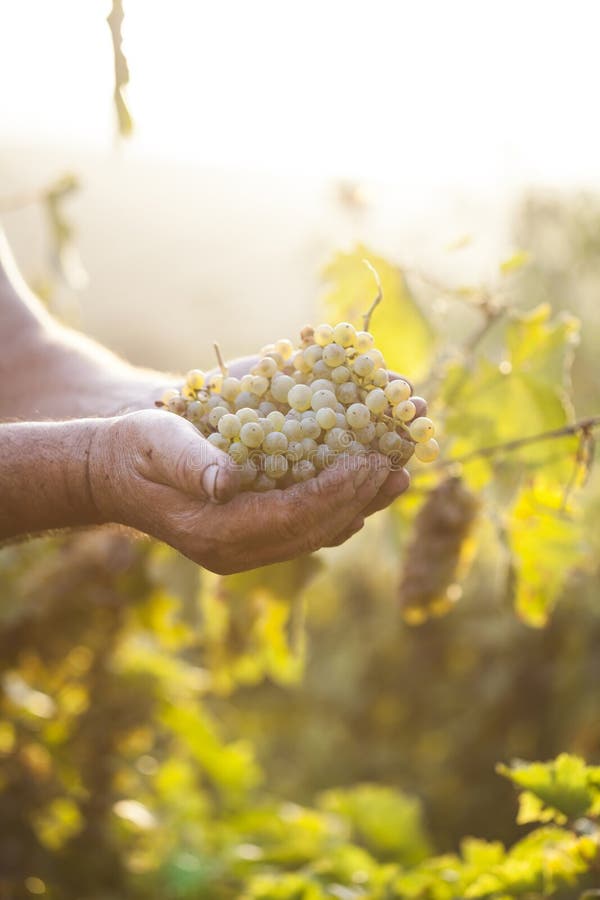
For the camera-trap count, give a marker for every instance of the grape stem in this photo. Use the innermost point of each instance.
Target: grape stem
(582, 426)
(378, 296)
(220, 360)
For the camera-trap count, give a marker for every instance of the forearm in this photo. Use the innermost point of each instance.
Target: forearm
(44, 482)
(50, 372)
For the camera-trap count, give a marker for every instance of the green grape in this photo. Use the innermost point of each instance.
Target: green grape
(323, 335)
(188, 393)
(358, 415)
(214, 400)
(345, 334)
(230, 388)
(251, 434)
(380, 428)
(428, 451)
(281, 386)
(299, 362)
(363, 366)
(397, 391)
(266, 425)
(377, 357)
(277, 359)
(347, 393)
(275, 442)
(195, 378)
(245, 400)
(246, 414)
(364, 341)
(266, 367)
(421, 429)
(376, 401)
(310, 428)
(195, 411)
(217, 440)
(238, 452)
(405, 411)
(380, 378)
(229, 425)
(248, 473)
(340, 374)
(337, 439)
(260, 385)
(390, 443)
(300, 397)
(322, 398)
(276, 466)
(321, 369)
(340, 420)
(309, 446)
(265, 407)
(277, 419)
(215, 414)
(312, 355)
(322, 384)
(292, 430)
(214, 382)
(285, 348)
(295, 451)
(246, 382)
(326, 418)
(303, 470)
(366, 435)
(334, 355)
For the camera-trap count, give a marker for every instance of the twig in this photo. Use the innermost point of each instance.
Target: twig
(582, 425)
(220, 360)
(378, 298)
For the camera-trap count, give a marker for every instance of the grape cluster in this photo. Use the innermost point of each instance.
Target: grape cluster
(298, 408)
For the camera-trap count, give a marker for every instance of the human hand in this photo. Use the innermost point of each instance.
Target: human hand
(154, 472)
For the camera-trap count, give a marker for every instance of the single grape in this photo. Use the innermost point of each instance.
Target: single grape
(323, 335)
(380, 428)
(169, 394)
(340, 374)
(380, 378)
(303, 470)
(188, 393)
(276, 466)
(322, 398)
(428, 451)
(292, 430)
(405, 411)
(366, 435)
(246, 382)
(322, 384)
(364, 341)
(265, 407)
(177, 405)
(421, 429)
(217, 413)
(265, 367)
(295, 451)
(355, 448)
(334, 355)
(358, 415)
(246, 414)
(251, 434)
(277, 359)
(377, 357)
(281, 386)
(321, 369)
(397, 391)
(195, 411)
(277, 419)
(347, 393)
(238, 452)
(275, 442)
(266, 425)
(312, 355)
(307, 335)
(376, 401)
(337, 439)
(299, 362)
(230, 388)
(260, 385)
(214, 382)
(345, 334)
(309, 447)
(326, 418)
(195, 378)
(229, 425)
(300, 397)
(285, 348)
(310, 428)
(215, 400)
(363, 366)
(218, 440)
(245, 400)
(340, 419)
(390, 443)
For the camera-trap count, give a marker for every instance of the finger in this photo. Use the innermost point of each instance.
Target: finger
(394, 486)
(354, 527)
(172, 452)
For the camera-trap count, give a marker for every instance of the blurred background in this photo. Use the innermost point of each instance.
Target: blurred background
(167, 733)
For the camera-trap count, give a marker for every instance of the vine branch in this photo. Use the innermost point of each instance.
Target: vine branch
(582, 426)
(378, 297)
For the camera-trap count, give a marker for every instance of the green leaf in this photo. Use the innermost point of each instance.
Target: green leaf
(402, 332)
(565, 784)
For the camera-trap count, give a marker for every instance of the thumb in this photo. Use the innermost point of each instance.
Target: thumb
(176, 454)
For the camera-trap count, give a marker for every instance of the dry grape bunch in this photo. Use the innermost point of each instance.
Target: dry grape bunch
(298, 408)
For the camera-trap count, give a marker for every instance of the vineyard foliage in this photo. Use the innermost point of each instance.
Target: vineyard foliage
(330, 727)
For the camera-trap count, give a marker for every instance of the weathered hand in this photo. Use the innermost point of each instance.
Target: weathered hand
(154, 472)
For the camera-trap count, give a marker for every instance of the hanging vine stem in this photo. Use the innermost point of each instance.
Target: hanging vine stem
(582, 426)
(378, 297)
(220, 360)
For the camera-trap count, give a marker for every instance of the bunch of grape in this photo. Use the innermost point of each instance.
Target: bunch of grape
(298, 408)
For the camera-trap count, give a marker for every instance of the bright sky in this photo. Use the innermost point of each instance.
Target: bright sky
(462, 92)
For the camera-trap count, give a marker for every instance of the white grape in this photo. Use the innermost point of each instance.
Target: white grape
(276, 466)
(380, 378)
(310, 428)
(312, 355)
(229, 425)
(340, 374)
(337, 439)
(309, 447)
(265, 367)
(326, 418)
(246, 414)
(377, 357)
(334, 355)
(169, 394)
(275, 442)
(230, 388)
(214, 382)
(195, 378)
(345, 334)
(303, 470)
(321, 369)
(421, 429)
(281, 386)
(364, 341)
(295, 451)
(251, 434)
(323, 335)
(390, 443)
(428, 451)
(366, 435)
(405, 411)
(260, 385)
(347, 393)
(355, 448)
(245, 400)
(358, 415)
(397, 391)
(322, 384)
(376, 401)
(266, 425)
(300, 397)
(277, 419)
(299, 362)
(217, 440)
(238, 452)
(321, 399)
(292, 430)
(177, 405)
(265, 407)
(285, 348)
(215, 414)
(363, 366)
(323, 457)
